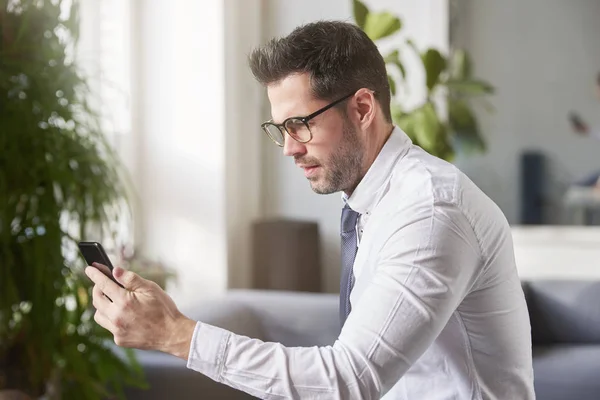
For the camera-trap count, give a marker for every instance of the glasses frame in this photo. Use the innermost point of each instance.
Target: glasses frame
(304, 120)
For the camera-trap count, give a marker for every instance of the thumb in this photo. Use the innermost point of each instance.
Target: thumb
(130, 280)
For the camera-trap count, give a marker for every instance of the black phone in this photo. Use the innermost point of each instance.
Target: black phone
(93, 252)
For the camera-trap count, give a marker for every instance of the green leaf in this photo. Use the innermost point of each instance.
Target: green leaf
(460, 65)
(402, 70)
(464, 126)
(460, 116)
(487, 106)
(402, 119)
(396, 110)
(380, 25)
(410, 43)
(360, 13)
(25, 21)
(427, 127)
(469, 87)
(406, 122)
(434, 64)
(394, 59)
(392, 83)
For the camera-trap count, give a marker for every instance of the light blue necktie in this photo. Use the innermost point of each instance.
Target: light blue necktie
(349, 249)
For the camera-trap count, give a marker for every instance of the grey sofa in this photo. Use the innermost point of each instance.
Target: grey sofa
(565, 330)
(565, 318)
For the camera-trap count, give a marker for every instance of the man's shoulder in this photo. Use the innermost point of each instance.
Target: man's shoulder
(421, 177)
(421, 181)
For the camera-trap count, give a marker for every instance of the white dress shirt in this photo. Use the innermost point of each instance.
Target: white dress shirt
(438, 312)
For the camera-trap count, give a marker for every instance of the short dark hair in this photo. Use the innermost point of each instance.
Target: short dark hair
(338, 56)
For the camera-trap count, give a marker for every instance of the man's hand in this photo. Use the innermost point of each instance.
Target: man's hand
(141, 315)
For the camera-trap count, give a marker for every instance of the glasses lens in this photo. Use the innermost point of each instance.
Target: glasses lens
(274, 133)
(298, 130)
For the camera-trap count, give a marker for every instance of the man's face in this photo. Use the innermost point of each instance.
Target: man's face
(332, 160)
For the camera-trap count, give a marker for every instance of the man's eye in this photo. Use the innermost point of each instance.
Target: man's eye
(295, 126)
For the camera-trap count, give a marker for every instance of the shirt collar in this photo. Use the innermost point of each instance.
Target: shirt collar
(368, 190)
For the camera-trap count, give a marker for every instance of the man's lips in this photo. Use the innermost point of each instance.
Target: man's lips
(309, 170)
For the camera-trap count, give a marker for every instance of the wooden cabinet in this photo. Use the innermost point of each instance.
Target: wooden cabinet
(286, 255)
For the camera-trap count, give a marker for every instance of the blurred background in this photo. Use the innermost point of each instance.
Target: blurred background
(136, 123)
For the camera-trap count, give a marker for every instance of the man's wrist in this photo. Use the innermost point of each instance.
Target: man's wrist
(180, 337)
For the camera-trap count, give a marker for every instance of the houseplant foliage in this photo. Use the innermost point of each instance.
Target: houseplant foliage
(58, 178)
(441, 131)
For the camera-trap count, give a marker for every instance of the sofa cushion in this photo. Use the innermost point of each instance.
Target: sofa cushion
(564, 311)
(567, 372)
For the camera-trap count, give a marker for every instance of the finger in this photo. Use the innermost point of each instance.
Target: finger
(103, 268)
(106, 285)
(104, 322)
(100, 301)
(129, 280)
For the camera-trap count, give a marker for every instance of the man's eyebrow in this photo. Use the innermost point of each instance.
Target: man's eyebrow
(279, 123)
(291, 116)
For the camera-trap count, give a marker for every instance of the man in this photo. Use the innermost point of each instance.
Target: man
(431, 304)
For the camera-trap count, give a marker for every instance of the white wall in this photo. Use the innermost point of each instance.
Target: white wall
(543, 57)
(286, 191)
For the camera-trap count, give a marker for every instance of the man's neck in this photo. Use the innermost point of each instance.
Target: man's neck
(375, 142)
(376, 139)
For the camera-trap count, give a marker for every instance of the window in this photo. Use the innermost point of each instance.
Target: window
(104, 51)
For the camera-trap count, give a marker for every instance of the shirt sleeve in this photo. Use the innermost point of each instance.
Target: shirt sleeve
(424, 270)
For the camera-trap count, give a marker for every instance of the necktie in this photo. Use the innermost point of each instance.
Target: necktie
(349, 249)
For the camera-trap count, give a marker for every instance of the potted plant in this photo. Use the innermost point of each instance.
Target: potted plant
(442, 134)
(58, 179)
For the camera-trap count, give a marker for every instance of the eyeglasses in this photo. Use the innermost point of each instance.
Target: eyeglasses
(296, 127)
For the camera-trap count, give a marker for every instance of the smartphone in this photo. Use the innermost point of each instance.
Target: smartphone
(93, 252)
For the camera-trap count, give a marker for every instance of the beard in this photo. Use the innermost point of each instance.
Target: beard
(342, 171)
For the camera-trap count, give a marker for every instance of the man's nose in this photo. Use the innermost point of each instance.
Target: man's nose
(292, 147)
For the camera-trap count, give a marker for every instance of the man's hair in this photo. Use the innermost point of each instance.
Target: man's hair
(338, 56)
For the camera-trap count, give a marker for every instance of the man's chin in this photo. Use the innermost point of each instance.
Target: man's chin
(320, 187)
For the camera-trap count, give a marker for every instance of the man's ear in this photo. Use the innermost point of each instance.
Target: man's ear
(366, 107)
